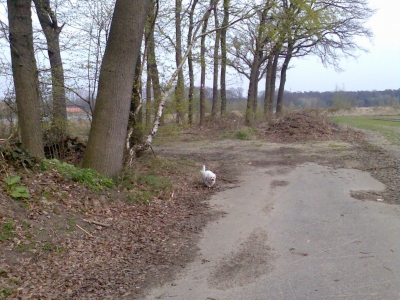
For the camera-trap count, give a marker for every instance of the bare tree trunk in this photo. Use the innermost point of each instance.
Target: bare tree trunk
(261, 40)
(269, 97)
(267, 93)
(25, 75)
(148, 97)
(105, 149)
(216, 63)
(253, 80)
(169, 85)
(152, 63)
(180, 85)
(203, 68)
(52, 30)
(260, 54)
(273, 81)
(148, 29)
(190, 63)
(225, 23)
(255, 86)
(135, 124)
(135, 132)
(279, 102)
(140, 148)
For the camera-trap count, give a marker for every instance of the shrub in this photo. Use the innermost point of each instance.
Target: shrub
(88, 177)
(244, 134)
(15, 190)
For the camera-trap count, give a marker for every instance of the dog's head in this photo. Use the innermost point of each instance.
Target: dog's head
(211, 178)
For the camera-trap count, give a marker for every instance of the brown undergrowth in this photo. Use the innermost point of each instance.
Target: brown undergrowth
(68, 241)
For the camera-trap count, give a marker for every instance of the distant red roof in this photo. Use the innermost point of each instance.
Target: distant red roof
(74, 110)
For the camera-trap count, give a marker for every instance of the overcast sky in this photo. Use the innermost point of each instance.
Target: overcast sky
(379, 69)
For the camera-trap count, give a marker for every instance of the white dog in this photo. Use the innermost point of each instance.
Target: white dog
(208, 177)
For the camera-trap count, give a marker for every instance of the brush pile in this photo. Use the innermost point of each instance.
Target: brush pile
(304, 125)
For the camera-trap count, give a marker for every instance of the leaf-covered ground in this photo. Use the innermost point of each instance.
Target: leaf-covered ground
(71, 242)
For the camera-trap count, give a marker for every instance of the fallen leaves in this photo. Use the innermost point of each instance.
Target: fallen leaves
(78, 244)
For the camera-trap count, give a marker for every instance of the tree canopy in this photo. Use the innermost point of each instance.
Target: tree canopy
(257, 41)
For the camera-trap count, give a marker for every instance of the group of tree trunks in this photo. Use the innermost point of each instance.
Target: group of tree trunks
(267, 32)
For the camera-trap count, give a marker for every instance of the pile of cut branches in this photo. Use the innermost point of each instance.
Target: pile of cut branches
(306, 125)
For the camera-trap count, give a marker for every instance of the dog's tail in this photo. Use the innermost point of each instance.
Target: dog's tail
(203, 170)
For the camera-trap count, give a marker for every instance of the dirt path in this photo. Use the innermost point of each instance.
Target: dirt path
(290, 229)
(297, 235)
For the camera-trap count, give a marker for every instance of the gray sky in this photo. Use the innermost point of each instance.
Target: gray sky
(377, 70)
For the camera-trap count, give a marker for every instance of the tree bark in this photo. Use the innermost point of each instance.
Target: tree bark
(203, 68)
(135, 124)
(225, 23)
(269, 97)
(267, 92)
(51, 30)
(180, 85)
(136, 111)
(105, 148)
(279, 102)
(25, 75)
(259, 57)
(164, 96)
(273, 81)
(190, 63)
(148, 30)
(148, 97)
(253, 81)
(168, 86)
(216, 64)
(152, 62)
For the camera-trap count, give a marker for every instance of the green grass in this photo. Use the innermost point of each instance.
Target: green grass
(146, 187)
(334, 146)
(169, 132)
(79, 127)
(382, 124)
(5, 292)
(88, 177)
(245, 134)
(71, 224)
(25, 247)
(152, 178)
(160, 164)
(140, 197)
(154, 182)
(7, 230)
(50, 247)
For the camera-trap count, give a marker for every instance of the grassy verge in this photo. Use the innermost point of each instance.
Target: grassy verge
(388, 126)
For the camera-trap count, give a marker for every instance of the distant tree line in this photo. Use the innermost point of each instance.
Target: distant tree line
(298, 100)
(338, 99)
(293, 100)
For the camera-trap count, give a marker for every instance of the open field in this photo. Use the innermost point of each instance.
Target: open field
(388, 126)
(364, 111)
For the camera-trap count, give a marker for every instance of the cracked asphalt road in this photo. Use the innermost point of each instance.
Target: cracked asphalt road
(295, 234)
